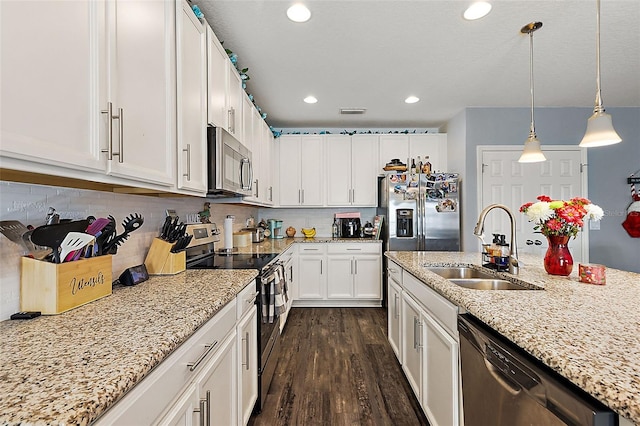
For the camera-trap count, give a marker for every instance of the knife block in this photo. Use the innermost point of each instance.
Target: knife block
(160, 260)
(53, 288)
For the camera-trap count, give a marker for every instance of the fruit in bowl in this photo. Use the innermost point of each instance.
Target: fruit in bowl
(309, 232)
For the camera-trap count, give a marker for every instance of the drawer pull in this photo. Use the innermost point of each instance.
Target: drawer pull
(252, 300)
(193, 365)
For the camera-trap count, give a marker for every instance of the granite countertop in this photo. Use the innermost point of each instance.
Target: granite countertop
(587, 333)
(70, 368)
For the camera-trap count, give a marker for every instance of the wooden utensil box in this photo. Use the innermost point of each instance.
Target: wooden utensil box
(53, 288)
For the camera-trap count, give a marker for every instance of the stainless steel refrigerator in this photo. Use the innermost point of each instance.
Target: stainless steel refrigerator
(422, 211)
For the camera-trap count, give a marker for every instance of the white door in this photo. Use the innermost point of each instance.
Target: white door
(503, 180)
(338, 170)
(289, 170)
(339, 276)
(248, 365)
(364, 170)
(394, 293)
(311, 281)
(367, 275)
(412, 338)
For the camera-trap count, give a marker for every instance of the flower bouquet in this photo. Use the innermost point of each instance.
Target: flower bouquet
(559, 220)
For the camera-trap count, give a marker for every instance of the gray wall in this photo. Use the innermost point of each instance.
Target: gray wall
(608, 167)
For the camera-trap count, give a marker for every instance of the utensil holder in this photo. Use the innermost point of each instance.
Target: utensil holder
(53, 288)
(160, 260)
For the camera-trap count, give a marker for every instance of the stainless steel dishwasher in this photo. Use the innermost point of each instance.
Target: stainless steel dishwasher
(503, 385)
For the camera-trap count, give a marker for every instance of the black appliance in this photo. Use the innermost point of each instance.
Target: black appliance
(351, 228)
(201, 255)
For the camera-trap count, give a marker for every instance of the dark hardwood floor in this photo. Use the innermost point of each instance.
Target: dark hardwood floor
(337, 368)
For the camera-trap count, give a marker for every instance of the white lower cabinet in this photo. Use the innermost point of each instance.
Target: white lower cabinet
(394, 300)
(339, 274)
(212, 378)
(247, 364)
(427, 345)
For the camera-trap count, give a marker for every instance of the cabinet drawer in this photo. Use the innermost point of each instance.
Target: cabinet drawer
(395, 272)
(445, 312)
(312, 248)
(246, 299)
(150, 397)
(353, 248)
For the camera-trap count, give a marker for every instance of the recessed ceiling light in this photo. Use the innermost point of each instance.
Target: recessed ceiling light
(477, 10)
(310, 99)
(299, 13)
(412, 99)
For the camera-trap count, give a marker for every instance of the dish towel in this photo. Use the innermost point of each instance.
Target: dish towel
(274, 295)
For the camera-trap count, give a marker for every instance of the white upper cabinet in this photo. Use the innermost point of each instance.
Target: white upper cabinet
(301, 171)
(391, 147)
(191, 101)
(90, 86)
(234, 102)
(53, 55)
(217, 70)
(352, 170)
(140, 134)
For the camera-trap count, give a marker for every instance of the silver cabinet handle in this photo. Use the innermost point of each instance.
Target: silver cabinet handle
(252, 299)
(257, 188)
(395, 306)
(353, 195)
(188, 151)
(320, 266)
(110, 118)
(291, 270)
(208, 348)
(351, 267)
(229, 126)
(393, 270)
(299, 196)
(232, 120)
(420, 324)
(415, 327)
(246, 347)
(355, 261)
(208, 400)
(354, 249)
(271, 193)
(201, 410)
(303, 196)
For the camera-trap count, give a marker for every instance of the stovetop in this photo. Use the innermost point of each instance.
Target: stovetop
(234, 261)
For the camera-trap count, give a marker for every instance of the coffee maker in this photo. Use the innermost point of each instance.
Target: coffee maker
(275, 228)
(350, 227)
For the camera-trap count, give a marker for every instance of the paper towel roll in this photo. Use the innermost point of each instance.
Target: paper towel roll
(228, 233)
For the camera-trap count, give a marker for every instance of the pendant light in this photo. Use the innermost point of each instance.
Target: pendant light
(532, 152)
(600, 131)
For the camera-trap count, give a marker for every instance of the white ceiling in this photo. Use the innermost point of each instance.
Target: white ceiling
(373, 54)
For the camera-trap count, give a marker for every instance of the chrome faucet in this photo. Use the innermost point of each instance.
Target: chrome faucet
(478, 231)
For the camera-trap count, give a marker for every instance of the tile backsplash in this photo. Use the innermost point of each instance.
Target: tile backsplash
(29, 204)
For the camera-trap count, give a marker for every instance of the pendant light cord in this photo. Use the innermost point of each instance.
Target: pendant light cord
(532, 129)
(598, 104)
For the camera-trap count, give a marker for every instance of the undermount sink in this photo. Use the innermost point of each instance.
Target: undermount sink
(455, 272)
(477, 280)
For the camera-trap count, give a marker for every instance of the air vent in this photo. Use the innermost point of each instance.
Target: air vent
(352, 110)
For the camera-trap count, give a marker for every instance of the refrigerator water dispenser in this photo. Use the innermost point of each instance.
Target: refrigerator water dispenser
(404, 223)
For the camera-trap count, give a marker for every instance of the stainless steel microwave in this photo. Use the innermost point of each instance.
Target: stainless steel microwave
(230, 171)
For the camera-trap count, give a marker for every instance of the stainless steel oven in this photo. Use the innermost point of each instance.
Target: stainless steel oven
(271, 300)
(230, 172)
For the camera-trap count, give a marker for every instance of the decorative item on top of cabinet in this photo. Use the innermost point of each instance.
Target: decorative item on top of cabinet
(403, 147)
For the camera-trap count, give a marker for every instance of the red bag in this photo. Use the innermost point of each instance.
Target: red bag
(632, 223)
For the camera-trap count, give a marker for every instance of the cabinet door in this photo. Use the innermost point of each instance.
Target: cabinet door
(412, 343)
(338, 169)
(364, 170)
(289, 170)
(53, 54)
(191, 98)
(142, 91)
(340, 270)
(186, 411)
(217, 385)
(312, 277)
(367, 274)
(266, 154)
(441, 387)
(394, 324)
(312, 171)
(217, 68)
(234, 102)
(393, 146)
(248, 365)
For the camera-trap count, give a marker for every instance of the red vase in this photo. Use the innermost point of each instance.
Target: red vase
(558, 260)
